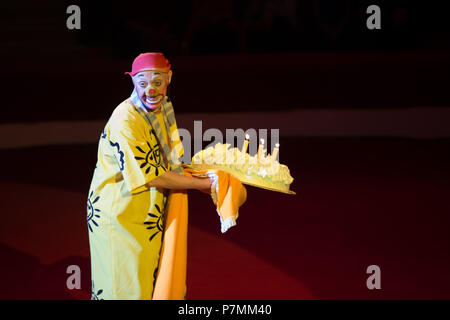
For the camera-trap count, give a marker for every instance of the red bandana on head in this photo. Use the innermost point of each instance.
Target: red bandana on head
(149, 61)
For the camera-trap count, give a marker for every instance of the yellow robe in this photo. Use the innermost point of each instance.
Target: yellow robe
(126, 219)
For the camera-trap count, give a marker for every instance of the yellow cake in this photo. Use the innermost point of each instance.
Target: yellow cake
(257, 171)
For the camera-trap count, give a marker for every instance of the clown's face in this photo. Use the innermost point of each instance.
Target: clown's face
(151, 87)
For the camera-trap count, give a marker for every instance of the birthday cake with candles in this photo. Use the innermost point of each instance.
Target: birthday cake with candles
(258, 170)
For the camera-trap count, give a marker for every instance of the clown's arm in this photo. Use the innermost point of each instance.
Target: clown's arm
(173, 180)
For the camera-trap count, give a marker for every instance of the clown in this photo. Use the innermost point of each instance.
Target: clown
(137, 169)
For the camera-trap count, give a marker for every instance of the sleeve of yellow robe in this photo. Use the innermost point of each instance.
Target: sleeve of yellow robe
(228, 194)
(139, 153)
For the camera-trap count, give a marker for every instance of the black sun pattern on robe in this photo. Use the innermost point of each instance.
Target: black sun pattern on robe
(96, 293)
(118, 154)
(92, 212)
(151, 157)
(156, 222)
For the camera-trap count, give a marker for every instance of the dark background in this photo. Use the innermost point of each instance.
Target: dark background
(293, 54)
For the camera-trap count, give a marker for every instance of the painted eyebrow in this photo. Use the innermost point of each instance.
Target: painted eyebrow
(157, 75)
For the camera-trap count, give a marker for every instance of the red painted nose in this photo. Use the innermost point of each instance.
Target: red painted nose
(151, 92)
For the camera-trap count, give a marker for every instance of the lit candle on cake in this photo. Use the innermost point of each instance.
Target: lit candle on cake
(245, 145)
(275, 152)
(261, 149)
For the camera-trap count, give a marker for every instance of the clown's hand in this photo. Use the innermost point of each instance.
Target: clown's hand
(214, 184)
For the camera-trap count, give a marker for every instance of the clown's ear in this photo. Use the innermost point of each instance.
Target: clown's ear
(170, 75)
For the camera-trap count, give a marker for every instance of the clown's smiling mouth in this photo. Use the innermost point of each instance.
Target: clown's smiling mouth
(154, 99)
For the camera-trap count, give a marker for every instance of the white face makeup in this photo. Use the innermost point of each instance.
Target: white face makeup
(151, 87)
